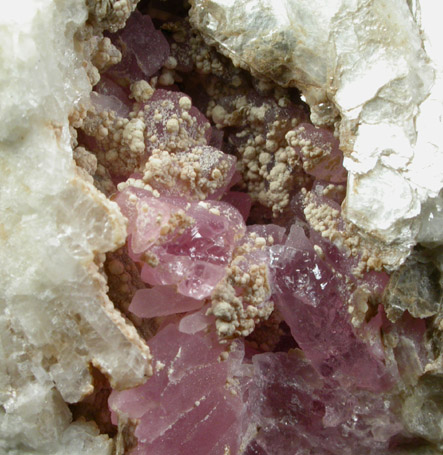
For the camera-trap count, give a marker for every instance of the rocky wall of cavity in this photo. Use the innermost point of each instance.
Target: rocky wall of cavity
(57, 320)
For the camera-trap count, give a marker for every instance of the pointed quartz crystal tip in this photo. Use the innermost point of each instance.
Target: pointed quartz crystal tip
(161, 301)
(311, 298)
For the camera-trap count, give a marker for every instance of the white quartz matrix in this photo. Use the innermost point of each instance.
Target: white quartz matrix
(55, 317)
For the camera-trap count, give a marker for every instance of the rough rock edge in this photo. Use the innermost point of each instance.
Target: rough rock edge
(56, 318)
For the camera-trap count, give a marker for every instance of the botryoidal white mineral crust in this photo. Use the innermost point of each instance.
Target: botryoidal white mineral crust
(371, 68)
(55, 317)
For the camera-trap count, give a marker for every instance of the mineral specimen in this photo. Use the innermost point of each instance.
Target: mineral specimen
(186, 221)
(144, 49)
(414, 288)
(299, 411)
(310, 299)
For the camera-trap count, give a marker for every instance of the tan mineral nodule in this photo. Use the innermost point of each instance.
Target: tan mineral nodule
(56, 320)
(373, 70)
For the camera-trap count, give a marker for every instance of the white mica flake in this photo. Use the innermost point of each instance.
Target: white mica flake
(55, 317)
(373, 69)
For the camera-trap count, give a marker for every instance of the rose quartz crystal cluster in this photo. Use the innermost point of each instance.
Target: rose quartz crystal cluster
(311, 298)
(335, 391)
(187, 244)
(299, 411)
(188, 407)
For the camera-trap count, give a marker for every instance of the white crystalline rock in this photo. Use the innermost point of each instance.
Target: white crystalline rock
(374, 69)
(79, 438)
(55, 317)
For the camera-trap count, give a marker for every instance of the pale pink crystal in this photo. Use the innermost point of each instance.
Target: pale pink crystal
(143, 212)
(161, 301)
(297, 239)
(197, 321)
(187, 407)
(195, 279)
(113, 97)
(194, 257)
(271, 232)
(241, 201)
(109, 103)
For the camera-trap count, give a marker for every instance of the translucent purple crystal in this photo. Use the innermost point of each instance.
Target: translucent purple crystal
(300, 411)
(144, 49)
(309, 298)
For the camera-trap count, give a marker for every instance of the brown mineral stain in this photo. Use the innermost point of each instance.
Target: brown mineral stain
(3, 233)
(57, 128)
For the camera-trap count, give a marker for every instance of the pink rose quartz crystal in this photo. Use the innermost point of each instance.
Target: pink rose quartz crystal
(193, 403)
(161, 301)
(187, 244)
(309, 298)
(300, 411)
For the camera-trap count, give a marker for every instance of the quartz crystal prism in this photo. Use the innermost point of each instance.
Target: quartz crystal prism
(192, 404)
(181, 243)
(309, 298)
(161, 301)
